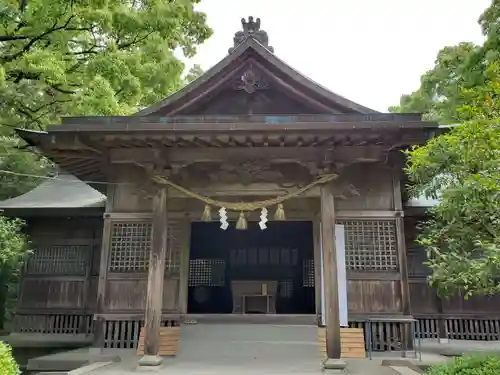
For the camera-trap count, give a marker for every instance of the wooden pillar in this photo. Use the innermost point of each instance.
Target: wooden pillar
(333, 349)
(156, 272)
(82, 328)
(401, 244)
(317, 265)
(407, 339)
(442, 331)
(99, 322)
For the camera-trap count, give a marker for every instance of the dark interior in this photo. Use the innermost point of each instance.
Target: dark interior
(281, 254)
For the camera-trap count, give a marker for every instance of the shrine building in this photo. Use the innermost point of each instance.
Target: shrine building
(253, 195)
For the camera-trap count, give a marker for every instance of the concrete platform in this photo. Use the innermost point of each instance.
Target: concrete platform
(213, 348)
(41, 340)
(29, 346)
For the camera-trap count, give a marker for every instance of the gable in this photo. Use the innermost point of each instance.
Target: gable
(252, 80)
(266, 102)
(247, 89)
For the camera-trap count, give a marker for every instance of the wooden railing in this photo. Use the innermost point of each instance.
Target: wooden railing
(461, 327)
(386, 335)
(53, 323)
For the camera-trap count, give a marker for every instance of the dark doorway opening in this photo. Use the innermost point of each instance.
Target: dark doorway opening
(252, 271)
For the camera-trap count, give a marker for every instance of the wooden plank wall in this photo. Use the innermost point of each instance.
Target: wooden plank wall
(126, 283)
(374, 282)
(60, 279)
(477, 318)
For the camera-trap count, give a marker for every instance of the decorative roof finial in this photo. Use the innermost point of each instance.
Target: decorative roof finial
(251, 29)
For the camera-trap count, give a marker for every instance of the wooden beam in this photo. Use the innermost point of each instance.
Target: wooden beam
(366, 214)
(333, 349)
(154, 296)
(220, 154)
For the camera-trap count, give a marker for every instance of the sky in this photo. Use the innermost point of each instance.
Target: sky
(369, 51)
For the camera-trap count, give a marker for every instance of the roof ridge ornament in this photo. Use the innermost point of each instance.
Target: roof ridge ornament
(251, 29)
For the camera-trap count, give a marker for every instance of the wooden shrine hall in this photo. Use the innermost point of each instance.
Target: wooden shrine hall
(222, 201)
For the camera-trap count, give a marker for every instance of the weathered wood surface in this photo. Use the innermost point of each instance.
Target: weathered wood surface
(129, 294)
(401, 244)
(159, 239)
(61, 272)
(168, 341)
(330, 273)
(102, 283)
(352, 342)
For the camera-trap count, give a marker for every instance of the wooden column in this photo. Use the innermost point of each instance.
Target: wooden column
(99, 322)
(317, 265)
(154, 296)
(407, 339)
(82, 328)
(442, 331)
(330, 273)
(401, 243)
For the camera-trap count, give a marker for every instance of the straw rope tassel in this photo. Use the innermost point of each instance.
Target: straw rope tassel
(207, 213)
(242, 222)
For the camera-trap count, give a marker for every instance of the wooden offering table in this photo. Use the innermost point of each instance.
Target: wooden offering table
(251, 296)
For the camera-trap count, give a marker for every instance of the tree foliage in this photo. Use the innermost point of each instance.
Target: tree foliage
(7, 363)
(89, 57)
(81, 57)
(486, 364)
(13, 244)
(439, 94)
(462, 236)
(14, 249)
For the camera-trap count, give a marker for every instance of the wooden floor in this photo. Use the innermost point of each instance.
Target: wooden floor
(169, 342)
(352, 342)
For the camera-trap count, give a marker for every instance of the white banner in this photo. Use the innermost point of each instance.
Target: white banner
(341, 277)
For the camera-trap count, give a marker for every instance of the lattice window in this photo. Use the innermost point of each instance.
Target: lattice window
(308, 273)
(130, 246)
(59, 260)
(207, 272)
(370, 245)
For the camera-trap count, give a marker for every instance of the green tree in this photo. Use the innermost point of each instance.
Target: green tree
(193, 73)
(8, 364)
(14, 249)
(438, 96)
(462, 238)
(461, 167)
(88, 57)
